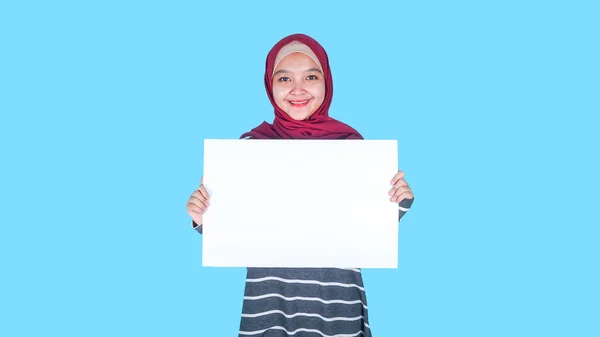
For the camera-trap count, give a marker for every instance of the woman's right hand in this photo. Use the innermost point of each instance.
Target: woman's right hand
(198, 203)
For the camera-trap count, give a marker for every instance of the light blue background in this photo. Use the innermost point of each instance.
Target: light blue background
(104, 106)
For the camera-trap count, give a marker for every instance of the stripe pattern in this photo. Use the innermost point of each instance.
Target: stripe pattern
(304, 302)
(403, 207)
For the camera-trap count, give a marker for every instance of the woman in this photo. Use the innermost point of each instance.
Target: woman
(302, 301)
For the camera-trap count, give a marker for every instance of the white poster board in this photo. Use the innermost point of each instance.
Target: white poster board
(300, 203)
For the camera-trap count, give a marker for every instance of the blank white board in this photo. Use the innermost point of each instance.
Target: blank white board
(300, 203)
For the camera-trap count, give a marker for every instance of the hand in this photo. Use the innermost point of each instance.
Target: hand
(400, 189)
(198, 203)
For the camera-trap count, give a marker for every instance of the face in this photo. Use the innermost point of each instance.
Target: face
(298, 86)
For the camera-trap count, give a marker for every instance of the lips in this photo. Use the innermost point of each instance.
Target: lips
(299, 103)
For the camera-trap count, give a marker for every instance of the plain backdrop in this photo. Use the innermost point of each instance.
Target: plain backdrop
(104, 106)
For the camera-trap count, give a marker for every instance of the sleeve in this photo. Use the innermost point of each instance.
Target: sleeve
(197, 227)
(403, 207)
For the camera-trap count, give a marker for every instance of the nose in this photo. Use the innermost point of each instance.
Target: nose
(298, 88)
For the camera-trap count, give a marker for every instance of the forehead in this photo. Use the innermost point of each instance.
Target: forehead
(296, 61)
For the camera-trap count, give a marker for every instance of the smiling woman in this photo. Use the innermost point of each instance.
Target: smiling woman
(302, 301)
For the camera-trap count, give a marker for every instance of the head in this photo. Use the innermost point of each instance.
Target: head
(298, 79)
(298, 83)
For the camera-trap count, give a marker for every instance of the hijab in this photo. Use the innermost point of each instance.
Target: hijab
(319, 125)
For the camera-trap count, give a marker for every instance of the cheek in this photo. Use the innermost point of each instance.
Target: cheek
(277, 92)
(279, 97)
(320, 93)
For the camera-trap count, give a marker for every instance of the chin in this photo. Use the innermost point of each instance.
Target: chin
(299, 116)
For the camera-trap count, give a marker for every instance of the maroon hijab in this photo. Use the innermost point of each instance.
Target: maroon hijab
(319, 125)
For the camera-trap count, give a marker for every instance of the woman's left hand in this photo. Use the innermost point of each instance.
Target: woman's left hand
(400, 189)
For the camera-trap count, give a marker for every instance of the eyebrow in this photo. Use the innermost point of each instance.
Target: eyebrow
(282, 71)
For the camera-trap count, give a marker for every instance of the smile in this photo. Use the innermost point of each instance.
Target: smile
(299, 104)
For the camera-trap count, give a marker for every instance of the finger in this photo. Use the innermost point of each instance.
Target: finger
(195, 208)
(397, 176)
(199, 202)
(403, 196)
(198, 194)
(399, 183)
(203, 191)
(400, 190)
(199, 197)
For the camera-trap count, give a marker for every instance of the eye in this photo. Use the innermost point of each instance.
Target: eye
(284, 79)
(312, 77)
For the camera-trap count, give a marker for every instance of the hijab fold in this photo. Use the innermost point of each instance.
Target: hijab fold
(319, 125)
